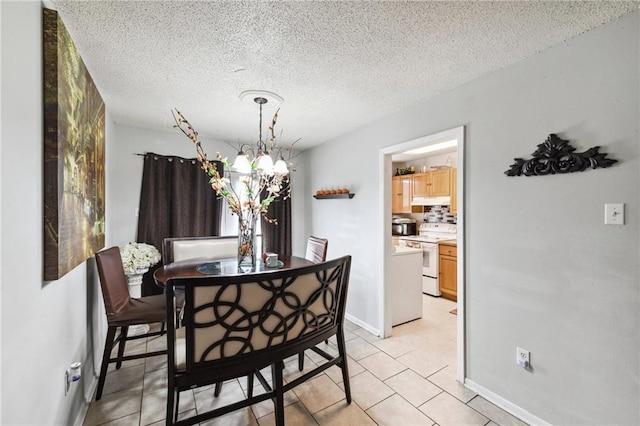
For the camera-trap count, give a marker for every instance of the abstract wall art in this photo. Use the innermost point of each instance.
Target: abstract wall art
(74, 158)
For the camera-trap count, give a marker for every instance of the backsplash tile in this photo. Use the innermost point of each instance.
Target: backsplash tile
(439, 214)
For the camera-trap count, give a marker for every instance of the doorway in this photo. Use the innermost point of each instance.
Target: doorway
(385, 164)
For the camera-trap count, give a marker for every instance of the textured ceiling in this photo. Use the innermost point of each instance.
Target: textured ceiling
(338, 65)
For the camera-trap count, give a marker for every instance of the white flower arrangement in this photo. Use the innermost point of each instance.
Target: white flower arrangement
(138, 257)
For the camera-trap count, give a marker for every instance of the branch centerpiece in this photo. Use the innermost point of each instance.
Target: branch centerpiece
(258, 183)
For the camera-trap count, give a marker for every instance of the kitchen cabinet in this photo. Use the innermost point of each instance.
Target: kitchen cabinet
(402, 194)
(432, 184)
(448, 270)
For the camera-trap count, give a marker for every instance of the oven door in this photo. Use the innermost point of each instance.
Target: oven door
(430, 260)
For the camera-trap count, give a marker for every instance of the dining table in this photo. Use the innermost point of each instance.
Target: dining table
(200, 267)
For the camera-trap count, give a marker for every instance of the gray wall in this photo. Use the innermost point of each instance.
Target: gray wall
(543, 272)
(45, 325)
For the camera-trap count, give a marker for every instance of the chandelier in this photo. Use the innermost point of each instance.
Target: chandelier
(261, 161)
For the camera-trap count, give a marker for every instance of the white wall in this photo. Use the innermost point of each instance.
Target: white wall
(543, 272)
(45, 325)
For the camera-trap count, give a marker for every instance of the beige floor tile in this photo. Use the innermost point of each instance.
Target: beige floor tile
(291, 371)
(231, 392)
(424, 362)
(367, 390)
(348, 335)
(343, 414)
(318, 393)
(123, 379)
(154, 405)
(155, 380)
(335, 372)
(495, 413)
(396, 346)
(446, 379)
(348, 325)
(418, 362)
(155, 363)
(130, 420)
(265, 407)
(294, 415)
(395, 410)
(367, 335)
(330, 348)
(446, 410)
(114, 406)
(382, 365)
(157, 343)
(360, 348)
(413, 387)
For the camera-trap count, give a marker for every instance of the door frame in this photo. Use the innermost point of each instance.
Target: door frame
(386, 249)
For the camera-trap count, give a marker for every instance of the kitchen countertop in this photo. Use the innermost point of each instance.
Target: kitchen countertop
(401, 251)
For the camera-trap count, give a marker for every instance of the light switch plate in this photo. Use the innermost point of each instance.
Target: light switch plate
(614, 214)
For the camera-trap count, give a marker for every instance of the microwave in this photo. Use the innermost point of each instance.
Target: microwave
(403, 229)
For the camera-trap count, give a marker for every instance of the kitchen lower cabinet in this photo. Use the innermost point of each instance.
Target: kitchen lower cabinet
(448, 271)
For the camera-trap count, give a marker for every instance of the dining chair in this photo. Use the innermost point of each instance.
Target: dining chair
(234, 326)
(316, 249)
(316, 252)
(175, 249)
(124, 311)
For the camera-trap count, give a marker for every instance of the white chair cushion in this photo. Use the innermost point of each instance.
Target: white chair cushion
(214, 248)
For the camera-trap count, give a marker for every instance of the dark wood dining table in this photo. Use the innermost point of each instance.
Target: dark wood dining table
(203, 266)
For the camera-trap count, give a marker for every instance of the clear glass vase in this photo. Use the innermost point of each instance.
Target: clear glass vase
(247, 247)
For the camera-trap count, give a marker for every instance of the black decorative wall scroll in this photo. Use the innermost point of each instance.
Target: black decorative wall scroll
(555, 155)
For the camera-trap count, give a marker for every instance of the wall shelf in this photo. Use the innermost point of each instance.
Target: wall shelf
(325, 197)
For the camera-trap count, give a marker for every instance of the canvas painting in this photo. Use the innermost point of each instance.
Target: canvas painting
(74, 162)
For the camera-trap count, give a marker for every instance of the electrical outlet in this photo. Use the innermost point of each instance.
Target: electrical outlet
(522, 357)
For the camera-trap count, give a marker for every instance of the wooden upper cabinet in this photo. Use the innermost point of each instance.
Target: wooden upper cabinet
(421, 185)
(440, 183)
(432, 184)
(396, 194)
(401, 194)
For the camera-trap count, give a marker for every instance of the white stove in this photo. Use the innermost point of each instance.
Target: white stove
(434, 233)
(429, 236)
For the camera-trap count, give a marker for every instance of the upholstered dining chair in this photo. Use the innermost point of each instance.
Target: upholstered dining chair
(316, 249)
(316, 252)
(175, 249)
(236, 325)
(124, 311)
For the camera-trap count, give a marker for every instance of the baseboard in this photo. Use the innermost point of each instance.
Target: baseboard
(507, 406)
(88, 397)
(362, 324)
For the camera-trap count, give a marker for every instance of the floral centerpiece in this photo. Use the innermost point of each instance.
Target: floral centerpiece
(137, 258)
(258, 186)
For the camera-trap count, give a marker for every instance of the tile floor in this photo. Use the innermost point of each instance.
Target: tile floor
(408, 379)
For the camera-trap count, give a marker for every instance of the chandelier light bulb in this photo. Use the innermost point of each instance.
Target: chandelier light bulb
(280, 167)
(241, 164)
(265, 163)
